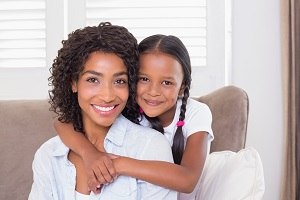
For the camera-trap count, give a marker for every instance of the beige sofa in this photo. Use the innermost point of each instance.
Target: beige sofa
(26, 124)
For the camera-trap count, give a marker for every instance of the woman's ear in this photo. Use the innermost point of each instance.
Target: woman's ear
(181, 89)
(74, 86)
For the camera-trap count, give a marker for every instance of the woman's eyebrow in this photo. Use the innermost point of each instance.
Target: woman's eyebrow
(92, 72)
(100, 74)
(121, 73)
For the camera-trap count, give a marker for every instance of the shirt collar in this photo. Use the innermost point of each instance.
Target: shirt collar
(117, 131)
(60, 148)
(116, 135)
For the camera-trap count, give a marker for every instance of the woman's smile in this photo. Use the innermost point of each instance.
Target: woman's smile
(105, 110)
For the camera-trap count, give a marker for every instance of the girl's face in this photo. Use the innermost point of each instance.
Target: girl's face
(160, 83)
(102, 89)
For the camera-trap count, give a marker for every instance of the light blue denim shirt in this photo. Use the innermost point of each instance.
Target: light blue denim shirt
(55, 176)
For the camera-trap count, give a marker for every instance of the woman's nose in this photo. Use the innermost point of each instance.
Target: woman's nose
(107, 94)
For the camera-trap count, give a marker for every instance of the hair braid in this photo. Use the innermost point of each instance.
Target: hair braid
(178, 141)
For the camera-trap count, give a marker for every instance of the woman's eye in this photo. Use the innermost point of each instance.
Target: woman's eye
(92, 80)
(121, 81)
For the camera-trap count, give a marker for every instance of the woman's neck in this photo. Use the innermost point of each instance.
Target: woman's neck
(96, 134)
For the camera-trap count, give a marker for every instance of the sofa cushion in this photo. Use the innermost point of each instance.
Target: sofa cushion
(229, 175)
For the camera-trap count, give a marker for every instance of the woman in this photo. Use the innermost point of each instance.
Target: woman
(91, 78)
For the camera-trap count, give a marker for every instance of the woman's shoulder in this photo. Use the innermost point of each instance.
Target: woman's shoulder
(146, 143)
(53, 146)
(144, 131)
(139, 132)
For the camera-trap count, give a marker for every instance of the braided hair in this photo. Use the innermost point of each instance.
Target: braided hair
(174, 47)
(70, 62)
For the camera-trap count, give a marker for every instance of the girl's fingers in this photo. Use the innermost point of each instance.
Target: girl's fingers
(111, 169)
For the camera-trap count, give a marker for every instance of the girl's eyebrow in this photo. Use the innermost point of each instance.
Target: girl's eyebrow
(100, 74)
(164, 77)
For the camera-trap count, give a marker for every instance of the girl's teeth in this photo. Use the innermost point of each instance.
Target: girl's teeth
(104, 108)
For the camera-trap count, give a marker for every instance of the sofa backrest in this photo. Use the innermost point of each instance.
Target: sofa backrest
(230, 109)
(24, 126)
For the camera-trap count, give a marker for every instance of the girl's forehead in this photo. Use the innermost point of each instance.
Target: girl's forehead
(159, 61)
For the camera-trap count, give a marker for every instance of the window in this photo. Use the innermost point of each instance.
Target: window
(29, 40)
(22, 33)
(185, 19)
(200, 24)
(203, 26)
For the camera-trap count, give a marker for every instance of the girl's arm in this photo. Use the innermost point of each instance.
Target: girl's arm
(181, 178)
(99, 165)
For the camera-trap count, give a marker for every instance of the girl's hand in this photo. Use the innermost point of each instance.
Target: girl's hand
(100, 170)
(113, 156)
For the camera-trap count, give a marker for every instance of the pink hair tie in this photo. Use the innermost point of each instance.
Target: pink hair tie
(141, 110)
(180, 123)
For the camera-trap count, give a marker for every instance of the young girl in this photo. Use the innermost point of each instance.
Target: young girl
(163, 97)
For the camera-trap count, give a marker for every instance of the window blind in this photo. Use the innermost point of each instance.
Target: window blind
(184, 19)
(22, 33)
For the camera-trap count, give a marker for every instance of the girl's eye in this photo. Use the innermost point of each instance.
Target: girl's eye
(121, 81)
(92, 80)
(166, 83)
(143, 79)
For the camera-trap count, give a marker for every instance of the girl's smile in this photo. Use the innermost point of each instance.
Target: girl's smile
(153, 102)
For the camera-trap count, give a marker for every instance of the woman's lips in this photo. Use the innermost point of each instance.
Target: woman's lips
(105, 110)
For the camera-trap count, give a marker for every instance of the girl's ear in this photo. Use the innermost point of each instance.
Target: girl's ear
(181, 89)
(74, 86)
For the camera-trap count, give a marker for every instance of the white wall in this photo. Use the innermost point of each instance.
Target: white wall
(257, 69)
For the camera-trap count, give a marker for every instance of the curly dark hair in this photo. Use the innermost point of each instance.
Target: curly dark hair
(70, 62)
(174, 47)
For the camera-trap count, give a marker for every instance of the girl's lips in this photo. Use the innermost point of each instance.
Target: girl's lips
(152, 102)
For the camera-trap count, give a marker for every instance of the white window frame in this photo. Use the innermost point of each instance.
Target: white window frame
(32, 82)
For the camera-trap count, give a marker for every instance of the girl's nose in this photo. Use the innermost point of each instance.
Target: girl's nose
(153, 89)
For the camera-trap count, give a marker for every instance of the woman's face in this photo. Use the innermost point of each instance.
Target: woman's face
(102, 89)
(160, 83)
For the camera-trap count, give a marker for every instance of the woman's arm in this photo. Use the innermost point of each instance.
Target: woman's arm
(98, 164)
(181, 178)
(42, 168)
